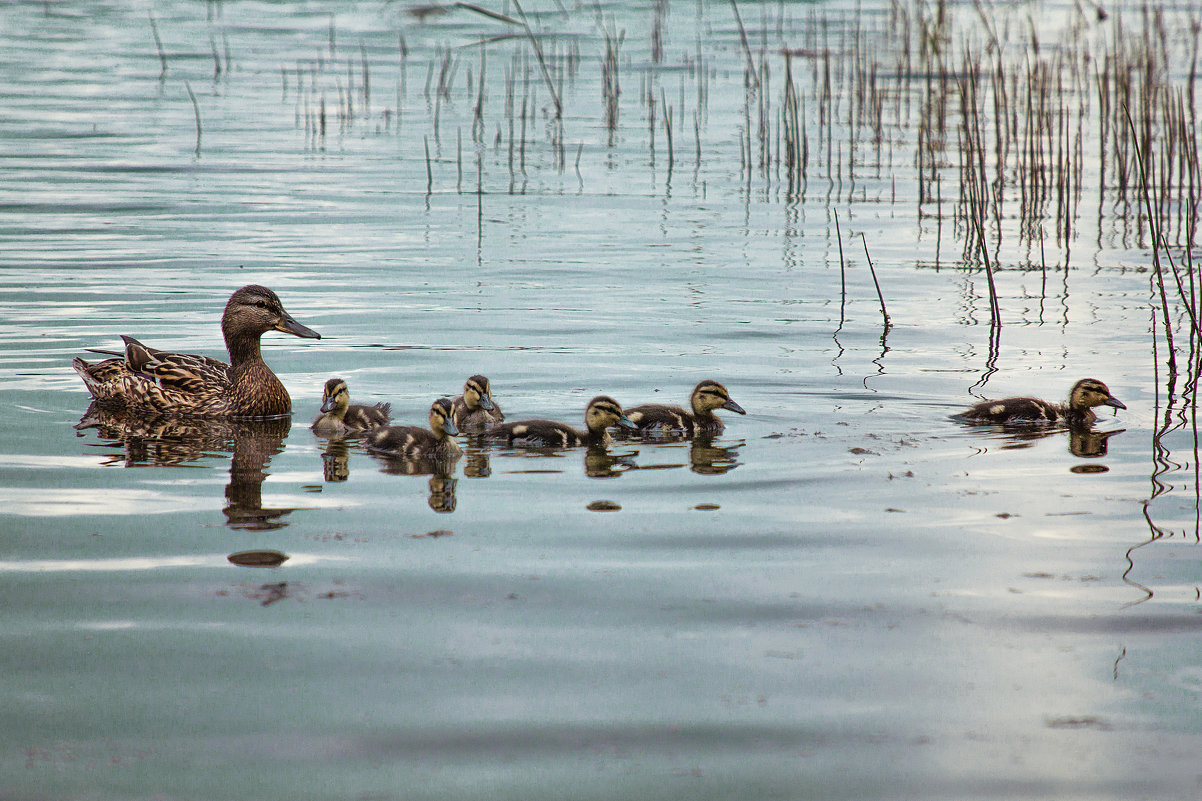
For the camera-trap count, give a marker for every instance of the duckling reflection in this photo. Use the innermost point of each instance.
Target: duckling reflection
(476, 463)
(1090, 444)
(1083, 440)
(439, 468)
(600, 463)
(335, 461)
(168, 440)
(708, 458)
(442, 493)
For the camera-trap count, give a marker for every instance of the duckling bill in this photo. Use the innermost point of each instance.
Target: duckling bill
(186, 384)
(1087, 394)
(601, 413)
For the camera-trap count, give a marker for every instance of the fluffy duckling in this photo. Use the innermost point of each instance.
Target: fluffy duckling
(1087, 393)
(339, 416)
(414, 442)
(475, 409)
(154, 380)
(602, 412)
(707, 396)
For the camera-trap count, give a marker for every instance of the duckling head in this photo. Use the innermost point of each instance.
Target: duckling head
(335, 396)
(603, 412)
(442, 418)
(710, 395)
(254, 310)
(477, 394)
(1090, 392)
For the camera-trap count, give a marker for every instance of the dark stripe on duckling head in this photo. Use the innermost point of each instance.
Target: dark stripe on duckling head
(1090, 392)
(478, 387)
(602, 412)
(442, 417)
(710, 395)
(329, 395)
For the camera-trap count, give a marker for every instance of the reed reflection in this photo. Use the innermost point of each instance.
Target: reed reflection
(163, 440)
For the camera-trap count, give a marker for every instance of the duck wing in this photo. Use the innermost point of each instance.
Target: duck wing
(186, 373)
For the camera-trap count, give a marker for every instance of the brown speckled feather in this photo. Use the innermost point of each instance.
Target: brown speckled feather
(186, 384)
(475, 410)
(707, 396)
(601, 413)
(340, 417)
(414, 442)
(1086, 394)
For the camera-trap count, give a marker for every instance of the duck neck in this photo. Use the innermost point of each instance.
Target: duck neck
(599, 436)
(1081, 416)
(243, 349)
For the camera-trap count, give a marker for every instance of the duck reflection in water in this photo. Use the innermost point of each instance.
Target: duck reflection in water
(335, 461)
(600, 463)
(1083, 441)
(708, 458)
(440, 469)
(166, 440)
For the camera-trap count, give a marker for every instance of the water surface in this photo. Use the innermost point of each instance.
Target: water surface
(843, 595)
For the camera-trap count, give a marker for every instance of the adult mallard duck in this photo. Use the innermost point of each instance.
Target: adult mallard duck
(1087, 394)
(475, 409)
(707, 397)
(185, 384)
(602, 412)
(414, 442)
(340, 417)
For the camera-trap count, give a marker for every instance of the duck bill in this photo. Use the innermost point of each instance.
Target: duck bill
(450, 427)
(328, 405)
(290, 326)
(1115, 402)
(731, 406)
(486, 403)
(625, 422)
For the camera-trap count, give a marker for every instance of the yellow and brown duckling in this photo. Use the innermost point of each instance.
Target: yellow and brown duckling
(340, 417)
(601, 413)
(1087, 394)
(186, 384)
(414, 442)
(475, 409)
(707, 397)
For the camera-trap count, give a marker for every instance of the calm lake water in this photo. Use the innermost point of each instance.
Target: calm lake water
(844, 595)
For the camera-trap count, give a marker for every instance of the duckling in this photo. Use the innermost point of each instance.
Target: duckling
(602, 412)
(1086, 394)
(414, 442)
(185, 384)
(707, 396)
(339, 416)
(475, 409)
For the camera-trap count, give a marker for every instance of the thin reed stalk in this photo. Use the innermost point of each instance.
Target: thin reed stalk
(158, 46)
(880, 295)
(195, 114)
